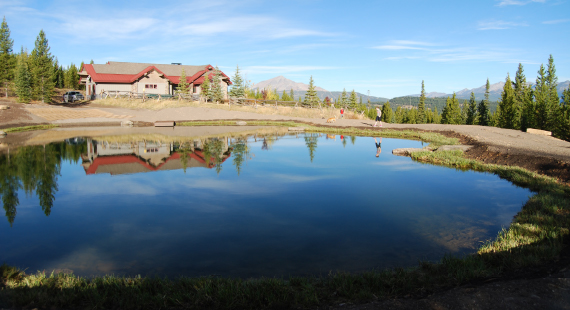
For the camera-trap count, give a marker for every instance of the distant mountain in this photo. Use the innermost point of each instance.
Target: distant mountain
(281, 84)
(479, 92)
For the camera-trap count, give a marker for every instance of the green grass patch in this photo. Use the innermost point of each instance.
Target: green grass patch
(29, 128)
(534, 237)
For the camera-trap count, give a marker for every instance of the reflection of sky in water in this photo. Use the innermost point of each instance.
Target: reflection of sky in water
(283, 215)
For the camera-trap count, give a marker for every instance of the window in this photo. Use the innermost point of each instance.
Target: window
(150, 86)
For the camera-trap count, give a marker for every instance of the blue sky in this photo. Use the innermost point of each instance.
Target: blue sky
(385, 47)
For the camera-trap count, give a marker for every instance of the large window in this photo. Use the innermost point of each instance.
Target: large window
(150, 86)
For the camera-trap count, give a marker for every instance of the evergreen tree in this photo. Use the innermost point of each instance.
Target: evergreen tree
(471, 111)
(464, 110)
(41, 66)
(60, 77)
(422, 106)
(507, 110)
(565, 115)
(541, 99)
(217, 90)
(451, 113)
(352, 101)
(23, 79)
(343, 99)
(553, 101)
(238, 87)
(183, 85)
(72, 77)
(205, 87)
(410, 116)
(285, 96)
(387, 113)
(483, 108)
(292, 94)
(399, 115)
(523, 99)
(436, 116)
(311, 94)
(7, 59)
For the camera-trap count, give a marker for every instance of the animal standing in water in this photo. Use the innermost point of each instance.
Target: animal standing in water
(332, 119)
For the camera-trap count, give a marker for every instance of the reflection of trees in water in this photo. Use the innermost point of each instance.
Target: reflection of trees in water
(214, 148)
(34, 169)
(311, 142)
(240, 151)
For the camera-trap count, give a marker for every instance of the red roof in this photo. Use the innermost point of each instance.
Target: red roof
(131, 78)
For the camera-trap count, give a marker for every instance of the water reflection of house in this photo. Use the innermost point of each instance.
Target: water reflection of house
(144, 156)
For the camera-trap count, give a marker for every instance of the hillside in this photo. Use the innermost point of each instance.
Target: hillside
(281, 84)
(479, 92)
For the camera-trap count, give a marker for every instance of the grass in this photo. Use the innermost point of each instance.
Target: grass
(29, 128)
(535, 236)
(267, 110)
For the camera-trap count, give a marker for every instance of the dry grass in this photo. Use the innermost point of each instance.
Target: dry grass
(152, 104)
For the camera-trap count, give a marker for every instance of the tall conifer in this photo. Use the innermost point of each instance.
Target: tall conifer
(238, 87)
(507, 110)
(541, 99)
(183, 85)
(553, 101)
(7, 58)
(311, 94)
(217, 91)
(387, 113)
(205, 87)
(471, 111)
(41, 62)
(23, 78)
(352, 100)
(483, 108)
(422, 106)
(451, 112)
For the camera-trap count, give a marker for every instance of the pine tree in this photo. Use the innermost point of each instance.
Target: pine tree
(436, 116)
(7, 59)
(553, 101)
(541, 99)
(507, 110)
(60, 77)
(205, 87)
(343, 99)
(311, 94)
(352, 101)
(399, 115)
(183, 85)
(471, 111)
(217, 90)
(483, 108)
(422, 106)
(41, 66)
(523, 99)
(23, 78)
(238, 88)
(292, 94)
(451, 113)
(387, 113)
(72, 77)
(565, 115)
(464, 110)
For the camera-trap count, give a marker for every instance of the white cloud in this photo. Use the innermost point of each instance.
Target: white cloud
(556, 21)
(518, 2)
(283, 69)
(498, 25)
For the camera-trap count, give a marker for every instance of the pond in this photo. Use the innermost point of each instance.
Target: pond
(240, 206)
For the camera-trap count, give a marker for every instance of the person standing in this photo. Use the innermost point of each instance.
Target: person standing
(378, 117)
(341, 112)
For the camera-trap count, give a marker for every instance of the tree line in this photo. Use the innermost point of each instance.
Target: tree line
(35, 75)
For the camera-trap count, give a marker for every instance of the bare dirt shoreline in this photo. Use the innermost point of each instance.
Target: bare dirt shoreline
(545, 287)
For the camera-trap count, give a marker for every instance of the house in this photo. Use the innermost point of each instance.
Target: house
(130, 77)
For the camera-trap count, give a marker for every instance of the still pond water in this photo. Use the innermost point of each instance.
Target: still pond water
(274, 206)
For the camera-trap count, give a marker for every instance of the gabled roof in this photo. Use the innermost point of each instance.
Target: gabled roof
(129, 72)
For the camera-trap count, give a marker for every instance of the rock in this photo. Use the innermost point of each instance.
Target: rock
(241, 123)
(127, 123)
(296, 128)
(539, 132)
(407, 151)
(454, 147)
(4, 107)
